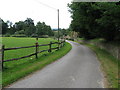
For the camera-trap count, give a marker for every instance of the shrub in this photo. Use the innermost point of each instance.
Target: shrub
(20, 32)
(7, 35)
(18, 35)
(43, 36)
(34, 35)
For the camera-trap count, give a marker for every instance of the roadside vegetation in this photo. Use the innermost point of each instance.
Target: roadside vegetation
(92, 20)
(96, 19)
(15, 70)
(109, 64)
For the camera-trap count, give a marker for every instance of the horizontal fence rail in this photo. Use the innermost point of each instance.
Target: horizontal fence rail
(54, 48)
(18, 48)
(60, 44)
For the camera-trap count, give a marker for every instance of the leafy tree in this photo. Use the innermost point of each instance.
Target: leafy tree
(43, 29)
(29, 27)
(19, 26)
(110, 21)
(94, 20)
(49, 31)
(4, 26)
(84, 15)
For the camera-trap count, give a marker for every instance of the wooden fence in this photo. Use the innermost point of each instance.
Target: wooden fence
(60, 44)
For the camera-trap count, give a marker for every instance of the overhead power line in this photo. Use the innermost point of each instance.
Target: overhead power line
(53, 9)
(45, 4)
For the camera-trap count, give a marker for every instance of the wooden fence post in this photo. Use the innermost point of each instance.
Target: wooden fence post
(36, 50)
(3, 46)
(50, 50)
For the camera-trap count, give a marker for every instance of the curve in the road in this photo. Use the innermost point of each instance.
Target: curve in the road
(78, 69)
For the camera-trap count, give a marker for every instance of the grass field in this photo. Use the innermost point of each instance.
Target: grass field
(10, 42)
(19, 42)
(14, 70)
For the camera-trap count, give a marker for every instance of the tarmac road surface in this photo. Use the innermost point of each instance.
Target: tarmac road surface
(77, 69)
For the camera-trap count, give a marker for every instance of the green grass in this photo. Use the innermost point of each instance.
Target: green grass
(15, 70)
(20, 42)
(109, 65)
(10, 42)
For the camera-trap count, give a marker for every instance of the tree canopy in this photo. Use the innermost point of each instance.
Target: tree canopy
(27, 28)
(96, 19)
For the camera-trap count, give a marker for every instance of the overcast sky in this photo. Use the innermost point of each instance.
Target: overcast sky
(17, 10)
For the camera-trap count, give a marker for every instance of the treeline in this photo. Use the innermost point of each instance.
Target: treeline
(96, 19)
(26, 28)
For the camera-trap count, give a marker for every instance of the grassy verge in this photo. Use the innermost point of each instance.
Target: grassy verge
(109, 65)
(11, 75)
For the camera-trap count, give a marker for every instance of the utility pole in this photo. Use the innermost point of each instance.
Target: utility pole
(53, 9)
(58, 25)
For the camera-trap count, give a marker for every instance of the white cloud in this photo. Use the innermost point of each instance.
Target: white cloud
(16, 10)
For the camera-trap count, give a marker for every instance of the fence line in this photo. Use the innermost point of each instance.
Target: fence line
(18, 48)
(60, 44)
